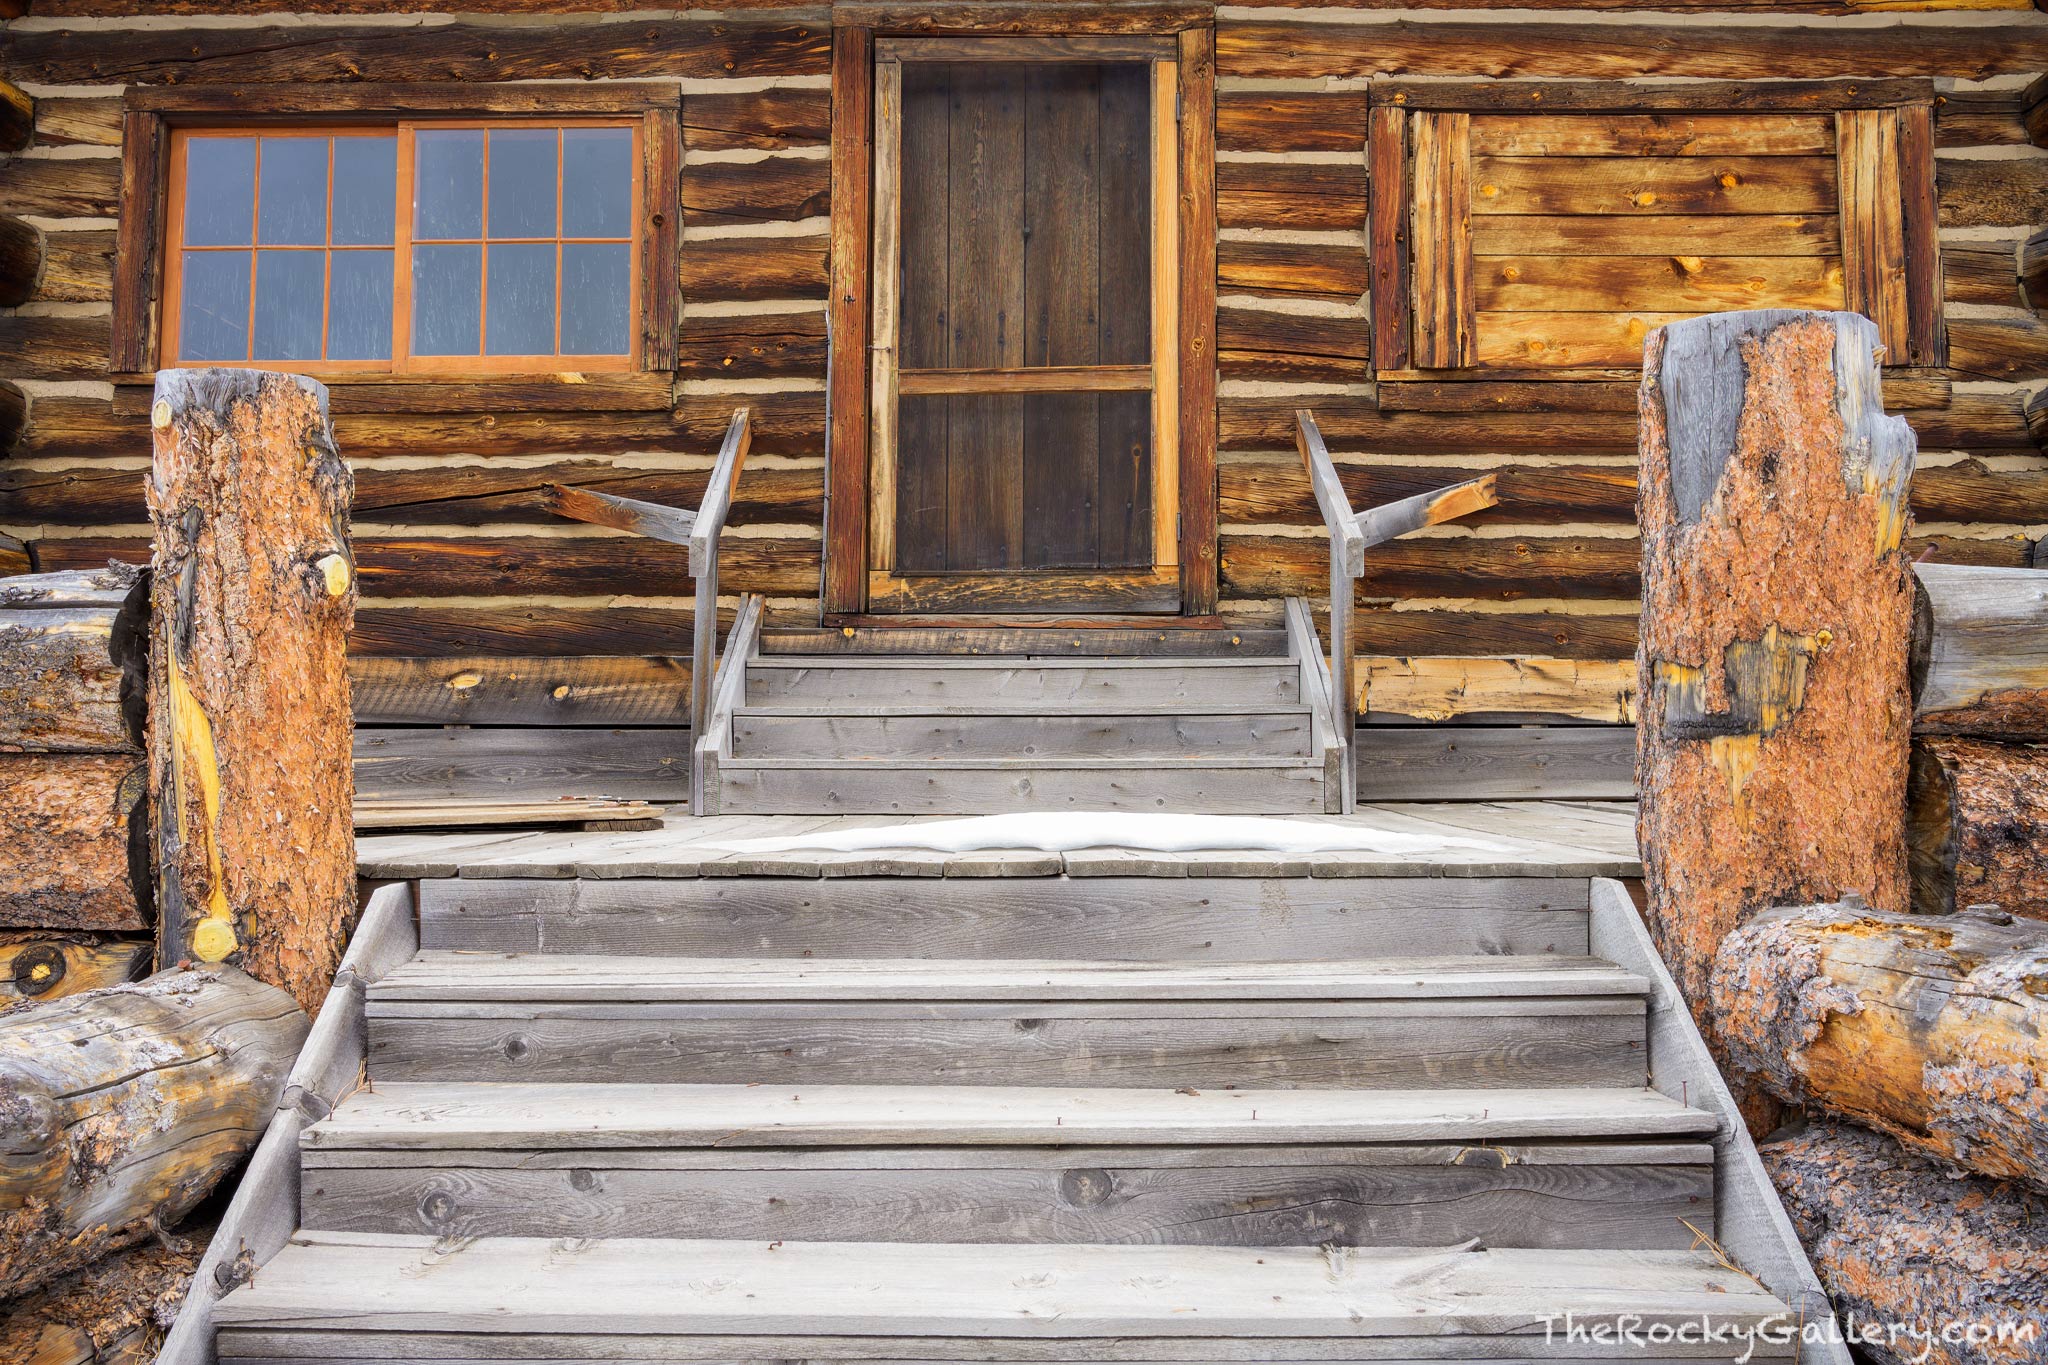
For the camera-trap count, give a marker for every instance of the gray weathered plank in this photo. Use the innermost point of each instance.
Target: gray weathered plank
(899, 732)
(532, 763)
(1484, 763)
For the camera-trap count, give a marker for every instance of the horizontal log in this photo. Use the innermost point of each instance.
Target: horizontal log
(2000, 192)
(482, 690)
(656, 48)
(78, 267)
(1901, 1241)
(1291, 267)
(551, 631)
(1436, 689)
(1977, 825)
(753, 268)
(131, 1103)
(1494, 395)
(1653, 135)
(1500, 570)
(72, 679)
(404, 394)
(533, 764)
(1275, 492)
(772, 190)
(766, 346)
(38, 965)
(1980, 118)
(1319, 121)
(1566, 340)
(78, 121)
(14, 556)
(13, 415)
(1998, 348)
(77, 853)
(17, 117)
(1641, 186)
(40, 347)
(1980, 651)
(544, 565)
(1283, 367)
(109, 585)
(1678, 234)
(21, 260)
(1352, 424)
(1665, 284)
(1496, 763)
(1924, 1029)
(1599, 637)
(1312, 196)
(64, 187)
(1614, 52)
(782, 423)
(763, 120)
(1239, 328)
(110, 1312)
(1981, 272)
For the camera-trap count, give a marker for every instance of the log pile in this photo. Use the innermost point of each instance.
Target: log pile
(114, 1312)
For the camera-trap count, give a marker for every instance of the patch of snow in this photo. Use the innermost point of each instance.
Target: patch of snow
(1067, 831)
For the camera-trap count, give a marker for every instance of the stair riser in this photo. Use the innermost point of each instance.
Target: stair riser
(1278, 735)
(1025, 685)
(1232, 1197)
(1138, 919)
(1566, 1042)
(913, 791)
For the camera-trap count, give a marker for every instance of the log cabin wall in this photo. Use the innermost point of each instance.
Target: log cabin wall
(467, 580)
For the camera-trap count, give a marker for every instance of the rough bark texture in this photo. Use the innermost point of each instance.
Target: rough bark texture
(72, 677)
(252, 598)
(76, 853)
(1900, 1240)
(1926, 1029)
(1776, 609)
(114, 1312)
(1980, 651)
(1978, 826)
(120, 1109)
(36, 965)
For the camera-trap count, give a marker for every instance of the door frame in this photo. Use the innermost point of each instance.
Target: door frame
(863, 379)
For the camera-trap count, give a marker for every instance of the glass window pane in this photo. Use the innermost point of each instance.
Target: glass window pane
(447, 284)
(522, 182)
(359, 306)
(214, 306)
(596, 299)
(448, 189)
(220, 190)
(597, 182)
(521, 318)
(292, 197)
(288, 289)
(365, 190)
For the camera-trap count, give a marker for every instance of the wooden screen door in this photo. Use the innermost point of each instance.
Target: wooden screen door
(1024, 438)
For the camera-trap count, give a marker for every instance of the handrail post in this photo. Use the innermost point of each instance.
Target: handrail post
(704, 536)
(1347, 562)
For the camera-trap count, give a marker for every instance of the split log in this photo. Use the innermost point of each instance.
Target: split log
(113, 1312)
(17, 117)
(72, 677)
(21, 260)
(1777, 604)
(120, 1109)
(1928, 1029)
(252, 596)
(1980, 651)
(38, 965)
(1898, 1240)
(77, 851)
(1977, 826)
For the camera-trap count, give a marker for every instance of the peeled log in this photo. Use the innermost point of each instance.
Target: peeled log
(113, 1312)
(1927, 1028)
(72, 678)
(120, 1109)
(252, 595)
(1899, 1240)
(1979, 826)
(1980, 651)
(77, 842)
(1777, 604)
(38, 965)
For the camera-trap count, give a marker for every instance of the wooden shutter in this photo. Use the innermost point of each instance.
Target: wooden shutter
(1891, 263)
(1445, 314)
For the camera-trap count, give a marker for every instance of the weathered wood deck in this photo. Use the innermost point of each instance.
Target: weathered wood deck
(1536, 838)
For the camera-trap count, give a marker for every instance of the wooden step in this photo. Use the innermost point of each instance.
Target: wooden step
(977, 681)
(612, 1298)
(1494, 1023)
(995, 786)
(1268, 1168)
(1142, 918)
(1051, 730)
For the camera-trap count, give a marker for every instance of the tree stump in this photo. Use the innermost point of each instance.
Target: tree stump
(1928, 1029)
(252, 598)
(122, 1108)
(1899, 1240)
(1777, 603)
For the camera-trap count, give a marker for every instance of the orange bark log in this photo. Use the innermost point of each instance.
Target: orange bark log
(1979, 824)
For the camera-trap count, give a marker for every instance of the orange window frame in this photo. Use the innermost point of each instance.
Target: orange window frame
(402, 360)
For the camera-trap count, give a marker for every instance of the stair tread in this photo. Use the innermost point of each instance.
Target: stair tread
(1035, 763)
(1039, 710)
(473, 1115)
(443, 975)
(635, 1286)
(1015, 662)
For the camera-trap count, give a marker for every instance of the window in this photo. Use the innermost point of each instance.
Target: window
(424, 247)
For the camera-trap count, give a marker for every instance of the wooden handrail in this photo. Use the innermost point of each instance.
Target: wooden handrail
(699, 530)
(1347, 562)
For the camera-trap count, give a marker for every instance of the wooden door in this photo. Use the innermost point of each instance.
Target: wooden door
(1024, 337)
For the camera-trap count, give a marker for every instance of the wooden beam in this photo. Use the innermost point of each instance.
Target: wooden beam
(1198, 418)
(1032, 379)
(133, 332)
(885, 317)
(650, 519)
(1388, 212)
(846, 492)
(1446, 316)
(1130, 47)
(1377, 525)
